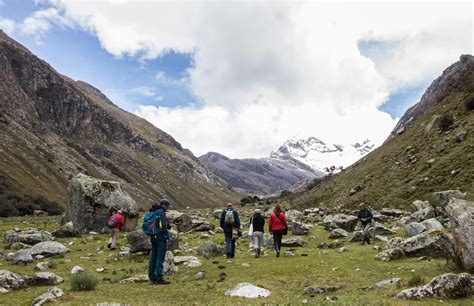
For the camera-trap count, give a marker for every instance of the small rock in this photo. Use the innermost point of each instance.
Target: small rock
(343, 250)
(77, 269)
(319, 290)
(199, 276)
(43, 265)
(49, 296)
(248, 290)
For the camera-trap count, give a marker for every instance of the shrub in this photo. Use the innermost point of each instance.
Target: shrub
(415, 280)
(470, 104)
(83, 282)
(445, 122)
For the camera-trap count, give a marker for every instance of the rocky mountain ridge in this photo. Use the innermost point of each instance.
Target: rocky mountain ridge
(53, 127)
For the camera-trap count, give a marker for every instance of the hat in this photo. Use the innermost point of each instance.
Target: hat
(257, 211)
(119, 211)
(362, 205)
(155, 206)
(229, 205)
(165, 202)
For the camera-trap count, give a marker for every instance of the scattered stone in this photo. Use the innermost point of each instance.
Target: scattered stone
(298, 228)
(394, 242)
(288, 253)
(390, 254)
(331, 245)
(432, 224)
(356, 236)
(346, 222)
(28, 236)
(355, 190)
(423, 214)
(434, 243)
(415, 228)
(461, 136)
(248, 290)
(22, 257)
(217, 213)
(90, 199)
(135, 279)
(48, 248)
(448, 285)
(319, 290)
(343, 250)
(381, 238)
(418, 205)
(385, 283)
(140, 242)
(393, 212)
(199, 276)
(43, 265)
(443, 198)
(169, 267)
(100, 270)
(10, 280)
(210, 250)
(338, 233)
(45, 278)
(19, 246)
(293, 242)
(182, 220)
(245, 265)
(66, 230)
(380, 229)
(294, 215)
(204, 236)
(77, 269)
(461, 216)
(189, 261)
(49, 296)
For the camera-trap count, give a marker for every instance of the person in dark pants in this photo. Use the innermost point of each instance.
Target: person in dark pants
(258, 223)
(229, 223)
(278, 226)
(365, 218)
(158, 243)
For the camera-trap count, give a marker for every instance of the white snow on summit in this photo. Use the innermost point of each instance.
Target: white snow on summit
(321, 156)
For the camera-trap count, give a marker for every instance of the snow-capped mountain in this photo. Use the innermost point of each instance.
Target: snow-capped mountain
(329, 158)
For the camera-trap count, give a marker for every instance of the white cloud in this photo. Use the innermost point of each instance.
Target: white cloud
(266, 71)
(7, 25)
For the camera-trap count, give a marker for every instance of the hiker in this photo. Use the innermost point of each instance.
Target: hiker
(257, 223)
(230, 223)
(278, 226)
(155, 226)
(365, 218)
(115, 222)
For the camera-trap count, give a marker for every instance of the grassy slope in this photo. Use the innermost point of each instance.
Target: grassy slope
(285, 277)
(390, 179)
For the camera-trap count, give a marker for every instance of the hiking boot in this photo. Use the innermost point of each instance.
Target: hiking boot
(109, 245)
(278, 254)
(162, 282)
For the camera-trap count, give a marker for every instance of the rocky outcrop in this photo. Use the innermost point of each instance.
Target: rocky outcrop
(338, 233)
(66, 230)
(448, 285)
(346, 222)
(139, 242)
(210, 250)
(89, 201)
(293, 242)
(49, 296)
(298, 228)
(45, 278)
(434, 243)
(10, 280)
(461, 217)
(182, 221)
(22, 257)
(28, 236)
(48, 248)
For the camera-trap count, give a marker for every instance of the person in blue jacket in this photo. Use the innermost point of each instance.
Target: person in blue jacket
(229, 222)
(158, 243)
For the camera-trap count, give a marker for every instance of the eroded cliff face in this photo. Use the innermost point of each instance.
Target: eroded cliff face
(53, 127)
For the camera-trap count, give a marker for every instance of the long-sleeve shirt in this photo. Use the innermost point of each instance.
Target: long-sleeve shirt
(365, 215)
(258, 223)
(228, 227)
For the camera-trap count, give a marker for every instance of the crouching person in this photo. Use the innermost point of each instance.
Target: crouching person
(156, 226)
(365, 218)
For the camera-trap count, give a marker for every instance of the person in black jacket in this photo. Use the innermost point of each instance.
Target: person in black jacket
(257, 222)
(365, 218)
(230, 223)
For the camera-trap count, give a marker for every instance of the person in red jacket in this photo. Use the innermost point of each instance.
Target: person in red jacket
(117, 218)
(278, 227)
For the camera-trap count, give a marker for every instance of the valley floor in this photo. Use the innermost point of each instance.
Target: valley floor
(285, 277)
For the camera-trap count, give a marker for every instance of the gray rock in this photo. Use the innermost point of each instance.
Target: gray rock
(385, 283)
(434, 243)
(77, 269)
(43, 265)
(48, 248)
(139, 242)
(189, 261)
(415, 228)
(346, 222)
(338, 233)
(343, 250)
(461, 216)
(355, 236)
(443, 197)
(199, 276)
(201, 226)
(10, 280)
(461, 136)
(169, 267)
(3, 290)
(294, 215)
(448, 285)
(29, 236)
(418, 205)
(66, 230)
(267, 241)
(380, 229)
(19, 246)
(400, 223)
(135, 279)
(217, 213)
(390, 254)
(319, 290)
(393, 212)
(394, 242)
(89, 201)
(49, 296)
(293, 242)
(22, 257)
(248, 290)
(423, 214)
(432, 224)
(182, 221)
(210, 250)
(298, 228)
(45, 278)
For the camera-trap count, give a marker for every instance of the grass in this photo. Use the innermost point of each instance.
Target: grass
(84, 281)
(285, 277)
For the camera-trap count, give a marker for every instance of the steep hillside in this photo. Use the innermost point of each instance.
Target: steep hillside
(52, 127)
(260, 175)
(431, 149)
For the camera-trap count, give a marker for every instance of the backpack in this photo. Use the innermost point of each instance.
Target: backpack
(229, 217)
(112, 222)
(152, 223)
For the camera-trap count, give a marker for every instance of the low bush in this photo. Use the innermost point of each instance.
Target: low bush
(83, 282)
(470, 104)
(415, 280)
(445, 122)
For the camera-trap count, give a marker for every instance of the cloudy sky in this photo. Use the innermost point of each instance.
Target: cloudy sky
(242, 77)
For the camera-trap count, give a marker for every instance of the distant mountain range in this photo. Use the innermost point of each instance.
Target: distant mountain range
(295, 162)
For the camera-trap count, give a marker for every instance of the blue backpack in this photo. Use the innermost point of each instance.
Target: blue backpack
(152, 223)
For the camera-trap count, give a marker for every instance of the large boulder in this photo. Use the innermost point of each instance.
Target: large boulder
(448, 285)
(28, 236)
(48, 248)
(298, 228)
(393, 243)
(293, 242)
(202, 226)
(22, 257)
(444, 197)
(338, 233)
(217, 213)
(169, 267)
(355, 236)
(45, 278)
(10, 280)
(89, 201)
(248, 290)
(432, 224)
(210, 250)
(380, 229)
(393, 212)
(182, 221)
(461, 217)
(49, 296)
(346, 222)
(139, 242)
(294, 215)
(434, 243)
(390, 254)
(415, 228)
(65, 230)
(423, 214)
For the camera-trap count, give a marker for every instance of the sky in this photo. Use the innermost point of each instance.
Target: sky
(242, 77)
